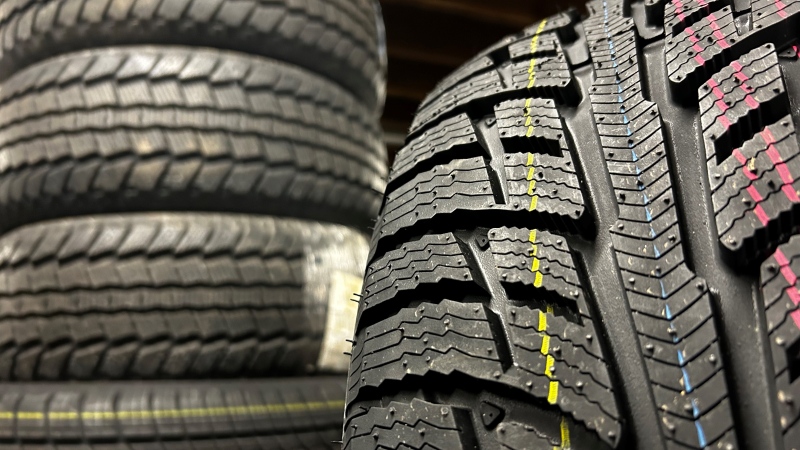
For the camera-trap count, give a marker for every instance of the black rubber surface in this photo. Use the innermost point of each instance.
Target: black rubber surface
(587, 241)
(167, 296)
(175, 128)
(281, 414)
(337, 39)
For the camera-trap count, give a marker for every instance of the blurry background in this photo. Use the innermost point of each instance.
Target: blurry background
(427, 39)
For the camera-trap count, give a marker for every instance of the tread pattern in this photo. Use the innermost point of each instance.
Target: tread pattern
(457, 310)
(753, 187)
(537, 177)
(511, 73)
(550, 354)
(518, 47)
(145, 128)
(782, 305)
(166, 295)
(414, 425)
(695, 52)
(336, 39)
(301, 413)
(679, 14)
(671, 306)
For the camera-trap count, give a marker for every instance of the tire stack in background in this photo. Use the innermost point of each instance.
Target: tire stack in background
(184, 190)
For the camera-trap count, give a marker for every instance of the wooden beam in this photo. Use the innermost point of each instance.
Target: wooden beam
(518, 16)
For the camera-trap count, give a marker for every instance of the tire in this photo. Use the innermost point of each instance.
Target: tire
(164, 296)
(289, 414)
(176, 129)
(587, 242)
(336, 39)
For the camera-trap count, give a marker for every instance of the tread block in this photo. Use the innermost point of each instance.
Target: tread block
(679, 14)
(695, 53)
(756, 203)
(543, 186)
(671, 306)
(531, 125)
(538, 259)
(454, 137)
(414, 425)
(751, 146)
(449, 336)
(550, 328)
(542, 38)
(740, 100)
(430, 260)
(782, 305)
(484, 90)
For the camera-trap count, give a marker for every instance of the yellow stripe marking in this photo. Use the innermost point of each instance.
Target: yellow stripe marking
(532, 74)
(565, 439)
(552, 395)
(534, 47)
(531, 183)
(528, 119)
(537, 276)
(535, 39)
(537, 282)
(534, 202)
(174, 413)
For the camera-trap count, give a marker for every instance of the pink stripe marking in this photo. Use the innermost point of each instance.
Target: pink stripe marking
(787, 273)
(679, 9)
(743, 161)
(724, 121)
(791, 278)
(780, 166)
(717, 33)
(754, 193)
(696, 47)
(701, 3)
(790, 193)
(782, 260)
(751, 102)
(796, 50)
(796, 317)
(781, 6)
(762, 216)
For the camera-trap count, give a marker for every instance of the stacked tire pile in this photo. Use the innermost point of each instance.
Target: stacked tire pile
(184, 187)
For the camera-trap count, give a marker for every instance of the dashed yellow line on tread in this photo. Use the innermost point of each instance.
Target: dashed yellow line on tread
(534, 47)
(552, 394)
(527, 114)
(565, 439)
(174, 413)
(531, 183)
(537, 276)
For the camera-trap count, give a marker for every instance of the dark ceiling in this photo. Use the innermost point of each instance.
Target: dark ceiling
(427, 39)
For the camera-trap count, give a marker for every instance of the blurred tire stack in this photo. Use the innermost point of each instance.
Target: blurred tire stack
(184, 191)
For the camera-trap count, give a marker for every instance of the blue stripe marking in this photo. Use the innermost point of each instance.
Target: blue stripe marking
(701, 437)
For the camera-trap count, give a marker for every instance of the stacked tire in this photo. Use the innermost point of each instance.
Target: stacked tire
(184, 190)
